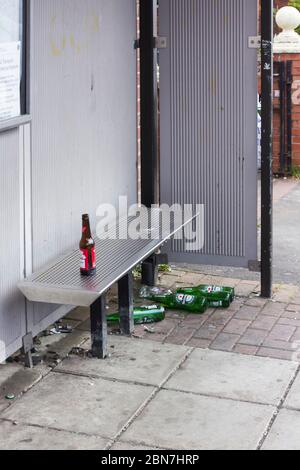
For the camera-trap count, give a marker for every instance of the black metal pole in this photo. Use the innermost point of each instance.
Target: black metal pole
(99, 328)
(126, 304)
(25, 46)
(149, 120)
(267, 148)
(149, 102)
(289, 119)
(282, 74)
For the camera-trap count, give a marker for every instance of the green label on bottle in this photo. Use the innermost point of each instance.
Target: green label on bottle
(214, 289)
(216, 304)
(183, 299)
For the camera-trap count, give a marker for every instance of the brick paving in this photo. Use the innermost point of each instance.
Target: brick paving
(251, 326)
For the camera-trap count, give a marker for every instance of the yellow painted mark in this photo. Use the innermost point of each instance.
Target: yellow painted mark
(213, 86)
(72, 41)
(56, 52)
(91, 25)
(96, 23)
(75, 45)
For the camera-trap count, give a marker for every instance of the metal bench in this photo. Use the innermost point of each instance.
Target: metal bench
(61, 282)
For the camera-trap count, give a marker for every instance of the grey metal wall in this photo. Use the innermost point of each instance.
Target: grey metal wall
(12, 304)
(208, 123)
(78, 152)
(84, 121)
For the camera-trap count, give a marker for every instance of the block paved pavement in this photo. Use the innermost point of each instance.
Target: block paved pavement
(251, 326)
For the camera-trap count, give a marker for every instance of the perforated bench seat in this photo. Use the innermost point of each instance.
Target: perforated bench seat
(61, 282)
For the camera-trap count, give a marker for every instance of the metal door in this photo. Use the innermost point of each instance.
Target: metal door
(208, 90)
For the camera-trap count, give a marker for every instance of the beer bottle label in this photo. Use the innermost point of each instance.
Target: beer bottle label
(93, 258)
(183, 299)
(216, 304)
(84, 261)
(214, 289)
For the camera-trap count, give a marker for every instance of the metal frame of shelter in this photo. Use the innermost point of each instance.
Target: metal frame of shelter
(149, 127)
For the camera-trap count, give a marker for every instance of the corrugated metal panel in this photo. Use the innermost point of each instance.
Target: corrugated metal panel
(12, 303)
(84, 119)
(208, 115)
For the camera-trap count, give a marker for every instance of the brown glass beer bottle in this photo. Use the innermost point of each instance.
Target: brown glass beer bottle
(87, 249)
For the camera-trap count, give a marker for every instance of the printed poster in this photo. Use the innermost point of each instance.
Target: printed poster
(10, 75)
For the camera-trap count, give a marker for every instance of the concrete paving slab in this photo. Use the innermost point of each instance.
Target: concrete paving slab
(131, 359)
(176, 420)
(64, 346)
(20, 437)
(286, 238)
(8, 370)
(234, 376)
(118, 446)
(285, 433)
(293, 398)
(85, 326)
(59, 346)
(71, 403)
(15, 380)
(79, 314)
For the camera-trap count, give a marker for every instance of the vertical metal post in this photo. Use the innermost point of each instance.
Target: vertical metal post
(99, 328)
(282, 79)
(149, 102)
(126, 304)
(149, 118)
(267, 148)
(25, 45)
(289, 117)
(27, 348)
(150, 272)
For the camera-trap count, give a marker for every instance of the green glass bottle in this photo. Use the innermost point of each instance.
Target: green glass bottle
(217, 297)
(188, 302)
(217, 291)
(214, 301)
(142, 315)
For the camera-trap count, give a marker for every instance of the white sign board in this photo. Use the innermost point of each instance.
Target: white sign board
(10, 75)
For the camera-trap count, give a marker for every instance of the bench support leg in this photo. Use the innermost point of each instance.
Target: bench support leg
(99, 328)
(28, 360)
(150, 269)
(126, 305)
(27, 348)
(149, 272)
